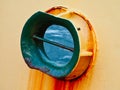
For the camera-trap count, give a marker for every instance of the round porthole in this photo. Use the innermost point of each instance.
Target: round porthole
(58, 43)
(50, 44)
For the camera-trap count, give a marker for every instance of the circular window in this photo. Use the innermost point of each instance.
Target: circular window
(63, 46)
(60, 47)
(50, 44)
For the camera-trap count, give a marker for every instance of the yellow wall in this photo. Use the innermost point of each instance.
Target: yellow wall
(104, 15)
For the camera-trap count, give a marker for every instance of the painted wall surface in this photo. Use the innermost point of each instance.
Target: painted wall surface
(103, 15)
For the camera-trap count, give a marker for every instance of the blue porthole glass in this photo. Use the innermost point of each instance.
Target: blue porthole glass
(60, 35)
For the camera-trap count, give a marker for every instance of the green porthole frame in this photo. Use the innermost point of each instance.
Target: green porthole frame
(32, 49)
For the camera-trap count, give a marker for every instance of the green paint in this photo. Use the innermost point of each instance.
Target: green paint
(33, 49)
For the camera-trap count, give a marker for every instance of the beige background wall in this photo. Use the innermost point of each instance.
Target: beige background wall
(105, 18)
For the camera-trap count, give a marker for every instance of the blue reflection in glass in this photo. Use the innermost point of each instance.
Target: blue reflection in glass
(61, 35)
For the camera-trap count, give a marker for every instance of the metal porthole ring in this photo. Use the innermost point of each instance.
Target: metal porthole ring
(34, 54)
(87, 37)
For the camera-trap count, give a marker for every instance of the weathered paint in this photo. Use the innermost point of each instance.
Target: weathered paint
(33, 50)
(86, 61)
(105, 18)
(40, 81)
(84, 39)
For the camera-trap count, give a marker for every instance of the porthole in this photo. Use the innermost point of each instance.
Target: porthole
(58, 42)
